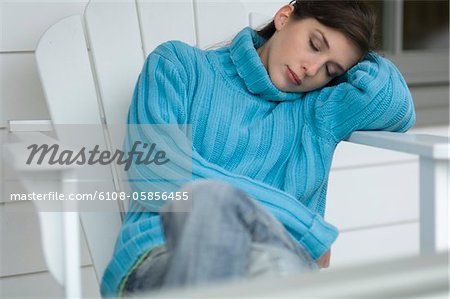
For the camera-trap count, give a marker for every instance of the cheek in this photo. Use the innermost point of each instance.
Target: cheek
(284, 50)
(276, 73)
(275, 62)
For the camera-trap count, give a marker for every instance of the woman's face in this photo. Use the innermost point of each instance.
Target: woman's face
(305, 55)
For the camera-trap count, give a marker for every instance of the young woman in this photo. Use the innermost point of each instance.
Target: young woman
(267, 112)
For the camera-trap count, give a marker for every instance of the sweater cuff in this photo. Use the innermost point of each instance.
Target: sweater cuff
(318, 239)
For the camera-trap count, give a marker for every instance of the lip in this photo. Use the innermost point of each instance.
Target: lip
(293, 77)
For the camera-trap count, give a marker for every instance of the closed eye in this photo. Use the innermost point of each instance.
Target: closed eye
(311, 44)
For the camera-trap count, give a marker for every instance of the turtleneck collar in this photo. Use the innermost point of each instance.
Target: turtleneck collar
(251, 69)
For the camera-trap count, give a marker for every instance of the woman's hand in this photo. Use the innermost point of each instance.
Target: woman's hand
(324, 260)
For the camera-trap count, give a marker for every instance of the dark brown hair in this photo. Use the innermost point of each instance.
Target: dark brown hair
(355, 19)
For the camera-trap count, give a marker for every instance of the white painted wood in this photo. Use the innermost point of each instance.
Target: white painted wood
(419, 144)
(162, 21)
(59, 232)
(25, 21)
(434, 206)
(66, 75)
(40, 125)
(117, 54)
(257, 20)
(430, 96)
(421, 67)
(10, 185)
(434, 182)
(434, 229)
(218, 21)
(118, 58)
(262, 12)
(406, 277)
(101, 231)
(43, 285)
(21, 92)
(349, 155)
(21, 250)
(376, 244)
(263, 7)
(2, 176)
(52, 239)
(59, 235)
(70, 241)
(442, 130)
(432, 116)
(11, 182)
(431, 103)
(2, 101)
(372, 196)
(103, 227)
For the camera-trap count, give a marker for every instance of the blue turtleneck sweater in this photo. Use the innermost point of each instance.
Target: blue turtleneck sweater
(275, 146)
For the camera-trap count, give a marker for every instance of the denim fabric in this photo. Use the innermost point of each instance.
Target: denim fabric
(226, 236)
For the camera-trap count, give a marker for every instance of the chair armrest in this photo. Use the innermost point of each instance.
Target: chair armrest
(43, 125)
(404, 277)
(424, 145)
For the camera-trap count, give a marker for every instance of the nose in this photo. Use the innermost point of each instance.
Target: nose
(312, 68)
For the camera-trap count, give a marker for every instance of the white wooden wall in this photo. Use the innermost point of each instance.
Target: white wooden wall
(381, 186)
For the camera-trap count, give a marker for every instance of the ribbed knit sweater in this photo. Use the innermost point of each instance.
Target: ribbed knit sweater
(275, 146)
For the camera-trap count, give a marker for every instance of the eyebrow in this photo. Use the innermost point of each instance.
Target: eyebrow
(328, 46)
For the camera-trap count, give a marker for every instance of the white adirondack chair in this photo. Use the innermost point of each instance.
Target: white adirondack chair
(88, 66)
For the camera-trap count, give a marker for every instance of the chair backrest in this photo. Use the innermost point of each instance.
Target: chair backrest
(68, 82)
(89, 65)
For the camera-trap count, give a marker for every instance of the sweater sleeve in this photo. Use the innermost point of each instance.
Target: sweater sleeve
(371, 96)
(161, 97)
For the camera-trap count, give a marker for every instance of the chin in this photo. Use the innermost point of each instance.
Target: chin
(284, 86)
(286, 89)
(290, 88)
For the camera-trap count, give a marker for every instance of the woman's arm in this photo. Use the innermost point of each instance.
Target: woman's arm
(373, 95)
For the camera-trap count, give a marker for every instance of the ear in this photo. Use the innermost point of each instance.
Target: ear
(282, 16)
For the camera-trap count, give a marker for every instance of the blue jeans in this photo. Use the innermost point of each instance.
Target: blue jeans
(226, 236)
